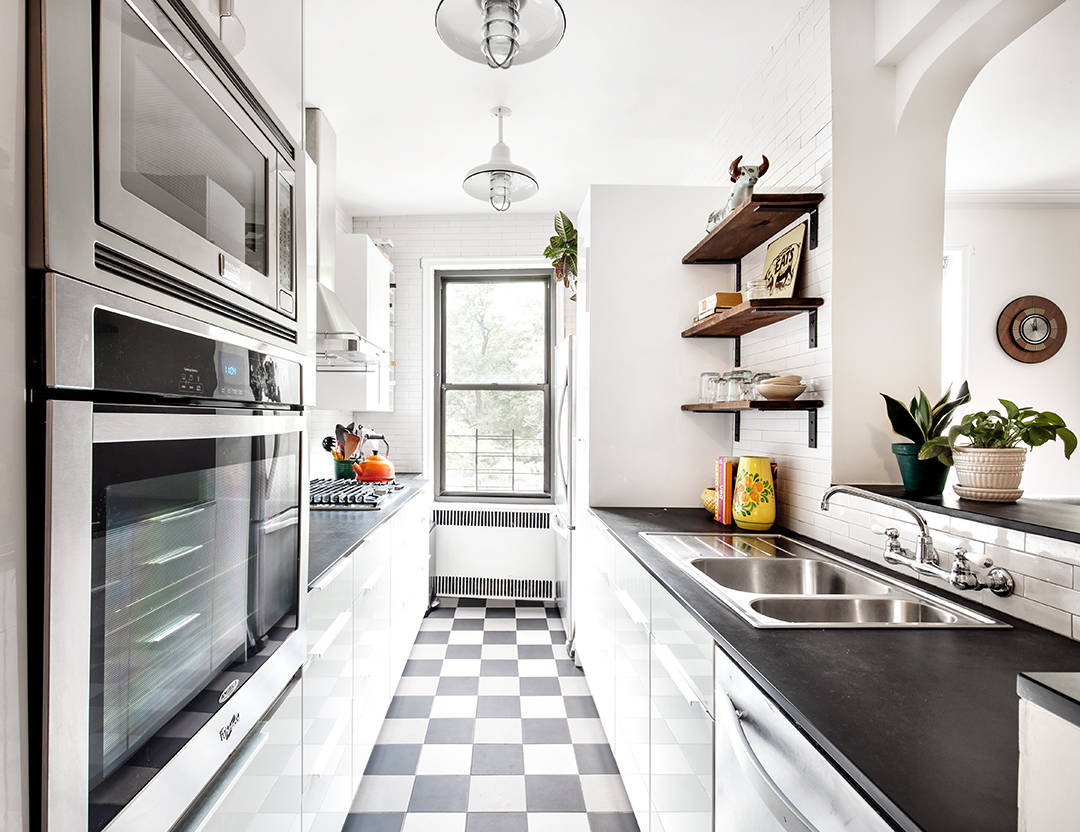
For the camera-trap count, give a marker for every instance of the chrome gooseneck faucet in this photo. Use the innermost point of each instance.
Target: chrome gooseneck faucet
(925, 561)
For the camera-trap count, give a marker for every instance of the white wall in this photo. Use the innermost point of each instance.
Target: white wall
(14, 748)
(643, 450)
(785, 111)
(512, 234)
(1022, 249)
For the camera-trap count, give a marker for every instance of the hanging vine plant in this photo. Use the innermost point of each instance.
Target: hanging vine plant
(562, 252)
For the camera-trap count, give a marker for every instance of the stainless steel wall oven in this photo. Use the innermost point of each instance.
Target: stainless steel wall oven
(156, 170)
(175, 500)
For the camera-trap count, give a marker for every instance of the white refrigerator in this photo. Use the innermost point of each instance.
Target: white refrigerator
(565, 436)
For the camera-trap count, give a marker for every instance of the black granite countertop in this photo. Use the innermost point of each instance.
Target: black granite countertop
(1058, 693)
(333, 534)
(924, 722)
(1051, 517)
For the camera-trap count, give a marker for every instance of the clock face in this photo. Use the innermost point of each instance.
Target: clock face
(1035, 328)
(1031, 329)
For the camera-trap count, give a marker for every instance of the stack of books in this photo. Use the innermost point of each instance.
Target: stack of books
(717, 302)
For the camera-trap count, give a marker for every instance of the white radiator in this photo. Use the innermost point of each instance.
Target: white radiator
(486, 552)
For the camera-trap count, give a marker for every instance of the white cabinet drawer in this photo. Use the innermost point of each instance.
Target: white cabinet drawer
(681, 751)
(680, 638)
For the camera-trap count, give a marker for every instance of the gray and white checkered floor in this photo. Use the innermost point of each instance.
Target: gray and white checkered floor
(492, 729)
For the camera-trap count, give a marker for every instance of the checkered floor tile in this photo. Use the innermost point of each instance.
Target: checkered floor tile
(492, 729)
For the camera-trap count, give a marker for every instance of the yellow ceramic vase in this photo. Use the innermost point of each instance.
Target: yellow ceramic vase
(753, 506)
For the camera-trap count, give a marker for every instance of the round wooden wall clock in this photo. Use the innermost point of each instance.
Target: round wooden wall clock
(1031, 329)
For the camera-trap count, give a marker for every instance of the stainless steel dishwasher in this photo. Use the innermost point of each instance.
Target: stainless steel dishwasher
(769, 776)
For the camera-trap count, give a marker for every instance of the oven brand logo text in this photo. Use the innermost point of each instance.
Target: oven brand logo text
(226, 732)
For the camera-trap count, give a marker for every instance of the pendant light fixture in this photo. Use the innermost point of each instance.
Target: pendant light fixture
(500, 181)
(500, 33)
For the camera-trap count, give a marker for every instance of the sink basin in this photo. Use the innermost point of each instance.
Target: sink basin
(791, 576)
(852, 611)
(775, 581)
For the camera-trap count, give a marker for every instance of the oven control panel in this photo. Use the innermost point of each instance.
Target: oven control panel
(132, 355)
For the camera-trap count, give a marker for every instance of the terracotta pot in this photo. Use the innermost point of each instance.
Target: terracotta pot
(995, 468)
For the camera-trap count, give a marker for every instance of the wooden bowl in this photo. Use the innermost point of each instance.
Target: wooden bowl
(780, 392)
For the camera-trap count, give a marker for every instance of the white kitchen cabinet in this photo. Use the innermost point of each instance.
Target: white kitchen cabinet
(594, 611)
(372, 681)
(328, 698)
(632, 703)
(1049, 751)
(680, 747)
(260, 787)
(362, 277)
(409, 580)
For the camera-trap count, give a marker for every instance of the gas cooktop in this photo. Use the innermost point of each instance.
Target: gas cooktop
(350, 495)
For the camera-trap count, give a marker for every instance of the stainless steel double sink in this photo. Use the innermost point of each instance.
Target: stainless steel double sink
(776, 581)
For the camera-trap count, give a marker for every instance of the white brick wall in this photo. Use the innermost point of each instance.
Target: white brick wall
(785, 111)
(467, 235)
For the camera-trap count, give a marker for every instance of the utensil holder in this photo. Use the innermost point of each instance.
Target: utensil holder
(343, 469)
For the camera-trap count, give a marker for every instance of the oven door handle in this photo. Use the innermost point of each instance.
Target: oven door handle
(148, 427)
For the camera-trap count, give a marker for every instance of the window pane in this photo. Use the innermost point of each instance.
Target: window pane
(494, 441)
(495, 332)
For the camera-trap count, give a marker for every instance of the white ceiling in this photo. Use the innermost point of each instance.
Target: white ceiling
(1018, 127)
(633, 94)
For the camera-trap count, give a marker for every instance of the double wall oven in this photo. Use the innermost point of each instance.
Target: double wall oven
(175, 496)
(169, 363)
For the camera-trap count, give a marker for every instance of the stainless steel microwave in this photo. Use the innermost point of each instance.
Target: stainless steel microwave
(157, 170)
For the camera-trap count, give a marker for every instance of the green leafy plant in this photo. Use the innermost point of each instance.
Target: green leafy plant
(924, 423)
(993, 429)
(562, 250)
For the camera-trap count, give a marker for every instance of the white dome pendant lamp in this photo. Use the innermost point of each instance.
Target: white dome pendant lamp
(498, 180)
(500, 33)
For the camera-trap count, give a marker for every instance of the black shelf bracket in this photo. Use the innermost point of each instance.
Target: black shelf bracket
(811, 428)
(812, 316)
(738, 350)
(812, 242)
(738, 425)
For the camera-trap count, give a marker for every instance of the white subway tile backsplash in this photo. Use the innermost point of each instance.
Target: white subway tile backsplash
(1052, 547)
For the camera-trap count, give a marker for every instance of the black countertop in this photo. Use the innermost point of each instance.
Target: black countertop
(1058, 693)
(923, 721)
(1050, 517)
(333, 534)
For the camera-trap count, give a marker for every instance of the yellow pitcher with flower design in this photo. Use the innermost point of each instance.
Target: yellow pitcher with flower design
(753, 505)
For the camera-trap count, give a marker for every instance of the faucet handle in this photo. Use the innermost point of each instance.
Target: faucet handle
(892, 533)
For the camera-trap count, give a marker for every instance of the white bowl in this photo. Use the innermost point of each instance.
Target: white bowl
(780, 392)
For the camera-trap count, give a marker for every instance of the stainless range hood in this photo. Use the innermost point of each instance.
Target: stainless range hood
(339, 343)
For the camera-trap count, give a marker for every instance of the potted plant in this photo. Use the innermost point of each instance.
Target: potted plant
(990, 464)
(922, 423)
(562, 252)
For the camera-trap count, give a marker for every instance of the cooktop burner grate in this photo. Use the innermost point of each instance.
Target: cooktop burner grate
(350, 494)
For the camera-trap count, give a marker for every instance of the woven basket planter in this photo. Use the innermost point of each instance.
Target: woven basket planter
(996, 468)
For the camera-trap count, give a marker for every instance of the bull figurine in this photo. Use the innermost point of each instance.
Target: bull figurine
(745, 178)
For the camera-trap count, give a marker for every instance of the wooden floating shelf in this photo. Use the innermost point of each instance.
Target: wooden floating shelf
(756, 404)
(752, 224)
(810, 406)
(751, 315)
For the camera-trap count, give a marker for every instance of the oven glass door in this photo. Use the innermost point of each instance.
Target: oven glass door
(183, 169)
(194, 584)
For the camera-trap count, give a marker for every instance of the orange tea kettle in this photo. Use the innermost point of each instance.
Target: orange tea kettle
(375, 467)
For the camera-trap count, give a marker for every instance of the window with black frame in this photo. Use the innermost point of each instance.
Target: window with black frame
(494, 391)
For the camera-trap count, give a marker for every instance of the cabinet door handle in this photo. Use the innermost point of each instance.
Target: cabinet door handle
(230, 775)
(778, 803)
(678, 677)
(332, 632)
(328, 576)
(636, 615)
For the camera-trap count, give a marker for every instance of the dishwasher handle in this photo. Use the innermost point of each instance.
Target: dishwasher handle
(778, 803)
